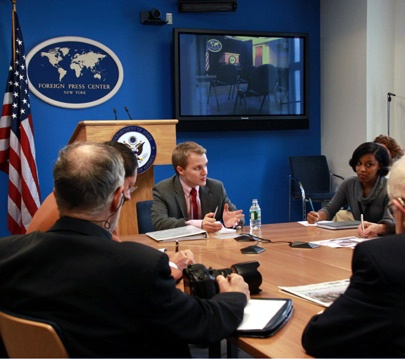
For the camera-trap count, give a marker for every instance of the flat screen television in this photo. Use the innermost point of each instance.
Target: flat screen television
(240, 80)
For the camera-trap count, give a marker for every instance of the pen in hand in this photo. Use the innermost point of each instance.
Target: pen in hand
(362, 222)
(311, 204)
(313, 209)
(177, 246)
(215, 213)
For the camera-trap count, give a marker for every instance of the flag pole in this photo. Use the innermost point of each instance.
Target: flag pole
(14, 2)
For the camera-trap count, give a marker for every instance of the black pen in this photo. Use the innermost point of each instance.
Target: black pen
(177, 246)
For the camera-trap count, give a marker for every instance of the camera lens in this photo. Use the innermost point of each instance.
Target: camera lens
(155, 14)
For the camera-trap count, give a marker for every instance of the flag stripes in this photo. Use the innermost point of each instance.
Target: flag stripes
(17, 147)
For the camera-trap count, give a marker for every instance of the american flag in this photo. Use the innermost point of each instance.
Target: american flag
(207, 58)
(17, 148)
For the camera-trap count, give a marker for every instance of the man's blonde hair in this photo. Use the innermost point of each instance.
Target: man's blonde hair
(182, 152)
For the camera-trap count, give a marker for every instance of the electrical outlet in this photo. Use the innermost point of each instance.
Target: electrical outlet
(169, 18)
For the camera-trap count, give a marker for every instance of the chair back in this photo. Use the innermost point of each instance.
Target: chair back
(263, 80)
(312, 172)
(144, 216)
(245, 72)
(227, 75)
(29, 338)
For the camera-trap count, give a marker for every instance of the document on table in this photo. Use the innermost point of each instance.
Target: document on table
(344, 242)
(306, 224)
(323, 293)
(224, 233)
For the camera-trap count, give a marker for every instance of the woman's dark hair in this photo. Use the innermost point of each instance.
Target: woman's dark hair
(380, 153)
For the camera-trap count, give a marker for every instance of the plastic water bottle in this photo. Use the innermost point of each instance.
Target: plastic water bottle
(255, 215)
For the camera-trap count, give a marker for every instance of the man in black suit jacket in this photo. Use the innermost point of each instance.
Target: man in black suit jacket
(368, 320)
(110, 299)
(172, 200)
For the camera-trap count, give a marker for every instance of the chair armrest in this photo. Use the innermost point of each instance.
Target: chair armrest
(301, 187)
(335, 175)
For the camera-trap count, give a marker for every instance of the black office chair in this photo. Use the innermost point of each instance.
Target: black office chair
(244, 75)
(262, 83)
(227, 75)
(144, 216)
(310, 181)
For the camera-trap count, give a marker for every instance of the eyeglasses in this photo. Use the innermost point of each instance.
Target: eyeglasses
(391, 205)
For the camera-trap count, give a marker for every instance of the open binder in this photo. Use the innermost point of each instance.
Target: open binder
(185, 233)
(264, 317)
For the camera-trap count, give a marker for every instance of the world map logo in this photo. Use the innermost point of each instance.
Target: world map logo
(73, 72)
(80, 62)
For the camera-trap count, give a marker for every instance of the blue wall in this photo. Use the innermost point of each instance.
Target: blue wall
(251, 164)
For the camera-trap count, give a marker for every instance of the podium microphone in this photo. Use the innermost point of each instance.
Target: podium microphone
(115, 113)
(127, 111)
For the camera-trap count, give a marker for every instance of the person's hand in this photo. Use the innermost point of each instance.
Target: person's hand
(231, 218)
(370, 230)
(182, 258)
(233, 283)
(312, 217)
(210, 224)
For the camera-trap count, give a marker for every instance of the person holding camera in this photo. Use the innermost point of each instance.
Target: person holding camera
(190, 197)
(108, 298)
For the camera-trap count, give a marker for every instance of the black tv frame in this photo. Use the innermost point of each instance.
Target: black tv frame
(235, 122)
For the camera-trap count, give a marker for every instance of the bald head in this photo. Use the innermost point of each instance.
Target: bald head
(86, 176)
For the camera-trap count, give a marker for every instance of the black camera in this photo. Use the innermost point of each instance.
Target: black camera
(200, 281)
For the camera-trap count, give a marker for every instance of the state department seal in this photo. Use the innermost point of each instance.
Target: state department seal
(141, 143)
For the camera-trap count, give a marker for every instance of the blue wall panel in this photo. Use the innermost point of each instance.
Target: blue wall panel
(251, 164)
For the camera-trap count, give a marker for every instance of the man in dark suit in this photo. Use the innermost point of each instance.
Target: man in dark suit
(368, 320)
(109, 298)
(173, 202)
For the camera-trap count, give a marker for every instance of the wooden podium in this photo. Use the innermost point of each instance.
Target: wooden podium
(164, 134)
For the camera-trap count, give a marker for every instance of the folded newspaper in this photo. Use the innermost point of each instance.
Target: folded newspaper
(321, 293)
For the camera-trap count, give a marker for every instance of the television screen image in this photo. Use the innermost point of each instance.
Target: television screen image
(239, 80)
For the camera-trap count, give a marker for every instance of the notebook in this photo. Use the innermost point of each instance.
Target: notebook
(338, 225)
(264, 317)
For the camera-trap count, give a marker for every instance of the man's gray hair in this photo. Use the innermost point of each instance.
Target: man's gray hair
(396, 180)
(86, 175)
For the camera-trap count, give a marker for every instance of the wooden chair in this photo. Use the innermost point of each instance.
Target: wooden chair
(28, 338)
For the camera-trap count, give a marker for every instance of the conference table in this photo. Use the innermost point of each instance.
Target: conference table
(280, 265)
